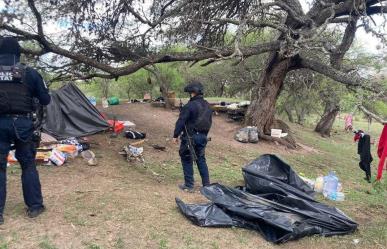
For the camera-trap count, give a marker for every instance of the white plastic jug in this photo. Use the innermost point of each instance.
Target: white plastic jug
(330, 184)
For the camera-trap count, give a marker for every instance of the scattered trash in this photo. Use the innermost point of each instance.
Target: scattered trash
(319, 184)
(89, 156)
(247, 134)
(277, 133)
(47, 139)
(159, 147)
(118, 126)
(135, 134)
(274, 201)
(133, 153)
(57, 157)
(355, 241)
(330, 184)
(129, 125)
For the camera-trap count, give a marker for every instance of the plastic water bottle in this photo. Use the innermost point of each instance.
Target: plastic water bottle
(330, 185)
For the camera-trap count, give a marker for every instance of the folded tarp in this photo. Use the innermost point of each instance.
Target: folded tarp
(274, 202)
(70, 114)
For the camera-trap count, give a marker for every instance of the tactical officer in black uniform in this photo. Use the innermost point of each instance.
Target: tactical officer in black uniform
(193, 125)
(19, 87)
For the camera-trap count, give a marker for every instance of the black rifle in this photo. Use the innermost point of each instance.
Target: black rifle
(190, 142)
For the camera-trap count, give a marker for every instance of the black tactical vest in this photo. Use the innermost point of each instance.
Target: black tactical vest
(15, 95)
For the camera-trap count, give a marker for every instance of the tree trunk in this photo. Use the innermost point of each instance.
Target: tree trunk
(262, 108)
(324, 126)
(288, 112)
(164, 93)
(301, 112)
(105, 88)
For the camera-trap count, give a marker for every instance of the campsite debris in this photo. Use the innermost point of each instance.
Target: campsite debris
(277, 133)
(159, 147)
(132, 134)
(319, 184)
(129, 125)
(247, 134)
(57, 157)
(89, 156)
(132, 153)
(138, 142)
(332, 187)
(274, 201)
(117, 126)
(57, 152)
(113, 101)
(47, 139)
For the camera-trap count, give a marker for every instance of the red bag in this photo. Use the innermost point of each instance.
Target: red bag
(118, 125)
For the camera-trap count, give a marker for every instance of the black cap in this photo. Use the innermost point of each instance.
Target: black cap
(194, 87)
(9, 45)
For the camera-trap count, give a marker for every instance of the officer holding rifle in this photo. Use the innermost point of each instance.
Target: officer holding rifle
(193, 125)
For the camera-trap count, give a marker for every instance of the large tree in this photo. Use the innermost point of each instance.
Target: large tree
(112, 38)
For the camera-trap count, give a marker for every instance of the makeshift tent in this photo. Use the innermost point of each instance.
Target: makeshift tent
(70, 114)
(275, 202)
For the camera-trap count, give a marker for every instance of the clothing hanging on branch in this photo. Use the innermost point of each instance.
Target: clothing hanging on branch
(364, 150)
(382, 152)
(382, 146)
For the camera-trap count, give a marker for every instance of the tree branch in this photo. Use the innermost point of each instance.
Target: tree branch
(373, 115)
(334, 74)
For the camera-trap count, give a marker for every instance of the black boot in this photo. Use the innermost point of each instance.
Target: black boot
(33, 213)
(186, 188)
(1, 219)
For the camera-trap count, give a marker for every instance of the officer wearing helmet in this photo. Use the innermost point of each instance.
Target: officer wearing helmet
(193, 125)
(20, 86)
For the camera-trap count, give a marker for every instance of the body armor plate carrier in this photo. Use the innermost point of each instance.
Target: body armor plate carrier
(15, 94)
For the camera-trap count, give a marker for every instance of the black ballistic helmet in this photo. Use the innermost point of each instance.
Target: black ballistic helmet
(9, 45)
(194, 87)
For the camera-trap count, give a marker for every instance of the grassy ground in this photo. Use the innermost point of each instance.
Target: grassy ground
(121, 205)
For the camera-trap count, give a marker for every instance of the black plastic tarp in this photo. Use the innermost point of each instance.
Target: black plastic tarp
(70, 114)
(274, 202)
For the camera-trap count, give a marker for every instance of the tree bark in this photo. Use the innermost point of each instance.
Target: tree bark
(288, 112)
(262, 108)
(324, 126)
(301, 112)
(105, 88)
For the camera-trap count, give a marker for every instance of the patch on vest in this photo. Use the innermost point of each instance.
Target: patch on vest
(6, 76)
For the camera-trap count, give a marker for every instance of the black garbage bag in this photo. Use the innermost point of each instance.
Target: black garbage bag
(269, 174)
(279, 215)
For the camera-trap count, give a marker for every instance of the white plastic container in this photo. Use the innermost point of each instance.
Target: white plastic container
(276, 133)
(330, 184)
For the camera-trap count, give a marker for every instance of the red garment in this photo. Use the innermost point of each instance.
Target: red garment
(357, 135)
(382, 152)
